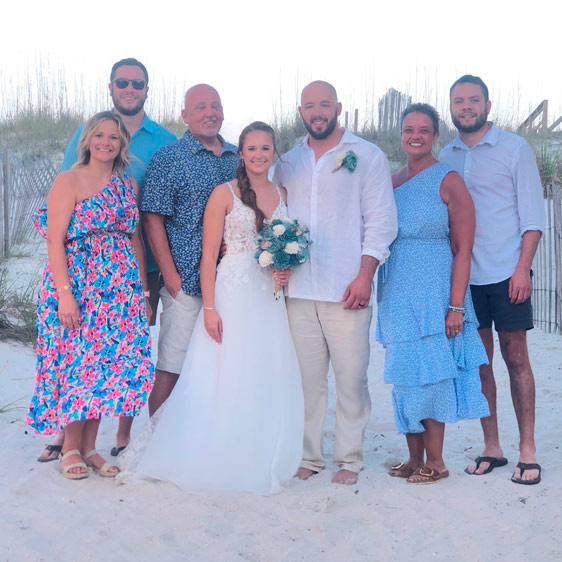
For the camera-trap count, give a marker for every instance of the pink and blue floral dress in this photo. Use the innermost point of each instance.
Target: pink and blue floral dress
(103, 368)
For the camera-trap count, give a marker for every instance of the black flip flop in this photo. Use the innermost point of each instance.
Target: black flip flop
(523, 466)
(51, 449)
(116, 450)
(493, 462)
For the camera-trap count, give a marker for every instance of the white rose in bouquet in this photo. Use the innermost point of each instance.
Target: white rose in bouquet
(292, 248)
(265, 259)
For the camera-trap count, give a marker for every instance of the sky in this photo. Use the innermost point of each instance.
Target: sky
(259, 54)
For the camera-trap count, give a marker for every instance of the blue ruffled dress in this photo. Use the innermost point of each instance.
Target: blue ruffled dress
(434, 377)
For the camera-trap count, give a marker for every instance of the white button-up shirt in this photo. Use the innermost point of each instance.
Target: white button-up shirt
(501, 175)
(348, 214)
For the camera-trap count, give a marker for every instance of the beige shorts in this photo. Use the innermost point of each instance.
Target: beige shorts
(177, 321)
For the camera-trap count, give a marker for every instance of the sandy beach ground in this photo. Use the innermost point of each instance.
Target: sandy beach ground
(44, 517)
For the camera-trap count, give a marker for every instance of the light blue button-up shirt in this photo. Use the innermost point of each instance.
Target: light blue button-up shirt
(145, 142)
(502, 177)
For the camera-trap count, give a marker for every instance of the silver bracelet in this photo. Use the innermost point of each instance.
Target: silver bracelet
(457, 308)
(208, 308)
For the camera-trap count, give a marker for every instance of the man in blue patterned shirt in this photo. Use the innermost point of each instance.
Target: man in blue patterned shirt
(178, 183)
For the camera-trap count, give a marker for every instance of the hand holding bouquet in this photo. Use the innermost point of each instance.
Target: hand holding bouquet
(283, 243)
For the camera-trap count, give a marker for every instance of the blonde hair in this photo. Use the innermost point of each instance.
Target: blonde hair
(122, 159)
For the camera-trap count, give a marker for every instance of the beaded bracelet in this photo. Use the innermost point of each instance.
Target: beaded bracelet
(457, 308)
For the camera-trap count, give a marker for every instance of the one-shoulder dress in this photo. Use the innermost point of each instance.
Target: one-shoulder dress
(235, 419)
(434, 377)
(103, 368)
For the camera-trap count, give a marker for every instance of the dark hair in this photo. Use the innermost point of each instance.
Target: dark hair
(468, 78)
(247, 194)
(424, 108)
(128, 62)
(122, 159)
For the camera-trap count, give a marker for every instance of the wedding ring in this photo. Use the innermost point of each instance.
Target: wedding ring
(361, 306)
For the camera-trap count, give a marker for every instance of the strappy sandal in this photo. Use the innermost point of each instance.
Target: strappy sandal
(66, 468)
(401, 470)
(428, 476)
(104, 470)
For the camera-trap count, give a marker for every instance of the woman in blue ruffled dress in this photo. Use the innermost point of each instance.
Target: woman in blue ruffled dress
(426, 320)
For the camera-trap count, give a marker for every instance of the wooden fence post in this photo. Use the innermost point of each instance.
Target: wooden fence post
(5, 234)
(557, 196)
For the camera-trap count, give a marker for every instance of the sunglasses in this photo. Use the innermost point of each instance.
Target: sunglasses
(122, 83)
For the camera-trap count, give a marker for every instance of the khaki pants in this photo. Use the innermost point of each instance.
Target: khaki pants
(324, 332)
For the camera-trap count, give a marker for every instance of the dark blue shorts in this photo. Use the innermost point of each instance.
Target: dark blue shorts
(491, 303)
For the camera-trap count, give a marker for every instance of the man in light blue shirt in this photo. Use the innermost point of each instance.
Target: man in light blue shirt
(500, 172)
(128, 86)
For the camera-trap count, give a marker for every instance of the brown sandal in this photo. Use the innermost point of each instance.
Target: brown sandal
(401, 470)
(428, 475)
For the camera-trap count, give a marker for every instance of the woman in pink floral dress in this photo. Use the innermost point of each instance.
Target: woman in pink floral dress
(93, 344)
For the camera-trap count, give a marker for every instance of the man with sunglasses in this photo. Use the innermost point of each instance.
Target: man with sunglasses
(128, 86)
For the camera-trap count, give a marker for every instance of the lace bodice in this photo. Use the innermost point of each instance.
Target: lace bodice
(240, 236)
(240, 233)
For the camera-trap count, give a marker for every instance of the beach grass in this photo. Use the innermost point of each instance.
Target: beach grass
(18, 312)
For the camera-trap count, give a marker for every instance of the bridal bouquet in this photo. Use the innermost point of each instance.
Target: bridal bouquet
(282, 243)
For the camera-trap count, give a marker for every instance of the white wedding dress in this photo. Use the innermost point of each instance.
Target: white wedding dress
(234, 420)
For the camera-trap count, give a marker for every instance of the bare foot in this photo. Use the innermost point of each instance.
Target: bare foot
(491, 452)
(345, 476)
(305, 473)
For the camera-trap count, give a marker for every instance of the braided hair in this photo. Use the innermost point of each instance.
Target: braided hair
(247, 194)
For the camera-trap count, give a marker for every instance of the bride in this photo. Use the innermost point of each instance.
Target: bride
(235, 418)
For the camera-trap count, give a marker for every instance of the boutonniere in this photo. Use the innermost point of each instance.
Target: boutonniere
(346, 160)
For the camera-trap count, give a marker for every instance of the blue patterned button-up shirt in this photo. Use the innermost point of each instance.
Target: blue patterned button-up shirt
(178, 183)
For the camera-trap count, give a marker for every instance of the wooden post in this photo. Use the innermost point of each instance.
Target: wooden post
(5, 204)
(346, 119)
(544, 129)
(355, 120)
(557, 195)
(555, 124)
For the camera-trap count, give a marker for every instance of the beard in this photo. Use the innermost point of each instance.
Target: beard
(330, 126)
(481, 120)
(128, 110)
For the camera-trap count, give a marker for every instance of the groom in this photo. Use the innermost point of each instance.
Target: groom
(339, 186)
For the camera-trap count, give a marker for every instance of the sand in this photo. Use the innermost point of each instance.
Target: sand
(45, 517)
